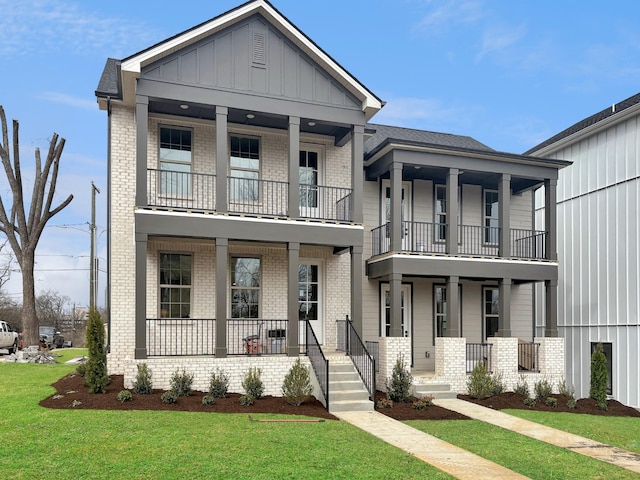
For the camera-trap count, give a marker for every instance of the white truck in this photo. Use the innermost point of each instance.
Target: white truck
(8, 337)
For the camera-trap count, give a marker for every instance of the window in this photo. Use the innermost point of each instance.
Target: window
(175, 285)
(441, 214)
(308, 292)
(175, 161)
(491, 311)
(440, 301)
(245, 287)
(308, 172)
(491, 217)
(244, 169)
(607, 349)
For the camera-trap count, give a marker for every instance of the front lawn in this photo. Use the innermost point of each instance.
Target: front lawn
(529, 457)
(44, 443)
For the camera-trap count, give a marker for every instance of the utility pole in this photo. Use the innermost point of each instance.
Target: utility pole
(92, 268)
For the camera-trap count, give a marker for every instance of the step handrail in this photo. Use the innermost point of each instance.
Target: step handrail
(364, 362)
(318, 361)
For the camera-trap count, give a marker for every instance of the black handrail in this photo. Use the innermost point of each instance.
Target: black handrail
(365, 364)
(318, 361)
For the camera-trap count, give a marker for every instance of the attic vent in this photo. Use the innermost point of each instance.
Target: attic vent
(259, 48)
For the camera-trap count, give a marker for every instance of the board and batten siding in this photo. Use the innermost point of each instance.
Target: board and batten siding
(599, 262)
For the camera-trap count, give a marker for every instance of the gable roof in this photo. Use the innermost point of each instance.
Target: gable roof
(131, 66)
(615, 110)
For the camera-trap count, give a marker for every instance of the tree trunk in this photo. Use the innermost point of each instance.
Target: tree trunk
(30, 322)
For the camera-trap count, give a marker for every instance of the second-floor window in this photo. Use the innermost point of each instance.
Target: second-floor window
(491, 217)
(244, 169)
(308, 171)
(175, 161)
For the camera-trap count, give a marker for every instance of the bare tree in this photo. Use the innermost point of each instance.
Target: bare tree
(23, 232)
(50, 307)
(5, 267)
(10, 311)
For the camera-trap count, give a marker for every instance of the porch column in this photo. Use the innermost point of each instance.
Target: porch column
(222, 249)
(293, 317)
(142, 130)
(504, 212)
(452, 213)
(356, 288)
(141, 296)
(222, 159)
(294, 168)
(395, 304)
(453, 306)
(396, 207)
(357, 173)
(504, 308)
(550, 218)
(551, 308)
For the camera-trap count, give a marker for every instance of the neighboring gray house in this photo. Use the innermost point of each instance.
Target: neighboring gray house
(599, 257)
(252, 208)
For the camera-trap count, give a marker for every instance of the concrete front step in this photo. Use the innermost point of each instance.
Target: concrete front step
(435, 390)
(337, 396)
(350, 406)
(347, 393)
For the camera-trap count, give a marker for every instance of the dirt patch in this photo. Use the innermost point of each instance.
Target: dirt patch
(584, 405)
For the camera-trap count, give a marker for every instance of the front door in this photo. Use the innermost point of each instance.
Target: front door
(311, 194)
(405, 308)
(309, 298)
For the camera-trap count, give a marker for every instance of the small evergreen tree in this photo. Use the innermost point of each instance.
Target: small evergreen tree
(96, 377)
(598, 389)
(399, 386)
(297, 384)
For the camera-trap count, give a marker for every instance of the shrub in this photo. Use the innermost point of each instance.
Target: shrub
(252, 384)
(218, 384)
(522, 387)
(169, 397)
(384, 403)
(542, 388)
(96, 377)
(551, 402)
(181, 383)
(529, 402)
(142, 384)
(564, 389)
(571, 403)
(208, 400)
(399, 385)
(497, 386)
(124, 396)
(598, 389)
(480, 383)
(297, 384)
(423, 403)
(81, 369)
(246, 400)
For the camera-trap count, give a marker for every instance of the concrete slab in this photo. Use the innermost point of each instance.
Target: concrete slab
(584, 446)
(448, 458)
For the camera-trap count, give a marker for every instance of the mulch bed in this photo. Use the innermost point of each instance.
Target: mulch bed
(71, 392)
(583, 405)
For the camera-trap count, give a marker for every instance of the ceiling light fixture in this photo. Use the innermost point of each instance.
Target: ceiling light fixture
(250, 116)
(311, 124)
(184, 106)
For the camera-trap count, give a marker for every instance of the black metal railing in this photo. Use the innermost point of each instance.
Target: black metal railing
(478, 240)
(380, 239)
(341, 335)
(361, 358)
(374, 349)
(183, 190)
(318, 361)
(258, 197)
(256, 337)
(528, 356)
(168, 337)
(325, 203)
(528, 243)
(478, 353)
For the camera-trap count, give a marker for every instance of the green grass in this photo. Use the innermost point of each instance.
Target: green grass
(521, 454)
(41, 443)
(622, 432)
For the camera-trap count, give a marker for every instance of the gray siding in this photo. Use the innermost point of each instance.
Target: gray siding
(252, 57)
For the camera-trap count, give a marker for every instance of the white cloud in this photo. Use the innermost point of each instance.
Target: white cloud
(29, 27)
(450, 13)
(69, 100)
(498, 39)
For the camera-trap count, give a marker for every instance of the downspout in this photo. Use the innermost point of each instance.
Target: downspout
(107, 299)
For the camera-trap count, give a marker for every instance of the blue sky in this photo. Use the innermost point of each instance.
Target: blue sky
(508, 73)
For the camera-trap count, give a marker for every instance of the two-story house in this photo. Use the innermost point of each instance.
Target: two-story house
(248, 217)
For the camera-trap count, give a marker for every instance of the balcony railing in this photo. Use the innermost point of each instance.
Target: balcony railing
(180, 336)
(256, 337)
(426, 237)
(196, 191)
(528, 354)
(478, 353)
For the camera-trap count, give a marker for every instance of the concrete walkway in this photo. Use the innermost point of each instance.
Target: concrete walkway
(448, 458)
(590, 448)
